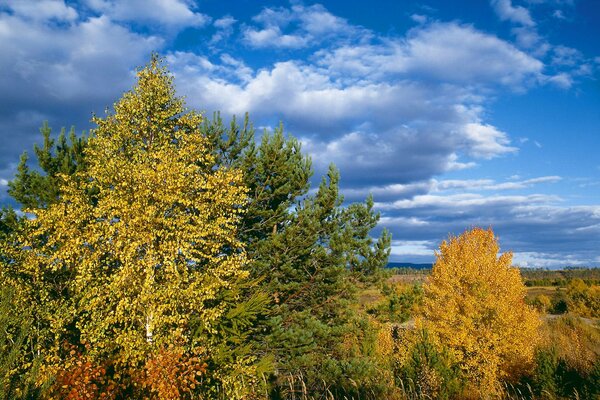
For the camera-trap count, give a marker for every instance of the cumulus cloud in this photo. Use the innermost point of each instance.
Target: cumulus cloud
(447, 52)
(507, 12)
(43, 10)
(173, 13)
(224, 28)
(353, 125)
(60, 73)
(361, 106)
(306, 26)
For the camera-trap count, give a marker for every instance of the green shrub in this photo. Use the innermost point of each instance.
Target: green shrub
(431, 373)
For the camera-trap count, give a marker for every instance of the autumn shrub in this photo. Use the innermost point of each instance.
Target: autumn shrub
(567, 364)
(171, 374)
(474, 306)
(583, 299)
(81, 378)
(541, 303)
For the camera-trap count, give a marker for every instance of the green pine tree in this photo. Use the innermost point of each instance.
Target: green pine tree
(308, 253)
(38, 189)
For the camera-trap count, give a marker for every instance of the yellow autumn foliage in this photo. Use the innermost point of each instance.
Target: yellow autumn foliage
(475, 307)
(148, 235)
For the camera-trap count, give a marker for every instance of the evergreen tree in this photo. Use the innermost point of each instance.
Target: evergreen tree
(33, 189)
(308, 253)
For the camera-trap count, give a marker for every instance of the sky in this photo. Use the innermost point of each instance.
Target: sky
(452, 114)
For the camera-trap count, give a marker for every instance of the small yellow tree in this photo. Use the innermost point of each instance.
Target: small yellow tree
(475, 307)
(147, 240)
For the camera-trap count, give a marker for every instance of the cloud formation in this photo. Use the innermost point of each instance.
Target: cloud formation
(308, 26)
(397, 113)
(172, 13)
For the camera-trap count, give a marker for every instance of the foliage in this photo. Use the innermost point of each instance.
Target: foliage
(63, 157)
(568, 362)
(399, 303)
(542, 303)
(431, 371)
(307, 254)
(8, 221)
(474, 305)
(583, 299)
(172, 374)
(16, 381)
(152, 260)
(80, 377)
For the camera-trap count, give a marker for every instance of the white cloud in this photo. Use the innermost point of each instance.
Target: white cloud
(486, 141)
(403, 248)
(172, 13)
(532, 259)
(489, 184)
(225, 22)
(307, 26)
(566, 56)
(460, 203)
(418, 18)
(507, 12)
(43, 10)
(272, 37)
(224, 28)
(448, 52)
(562, 80)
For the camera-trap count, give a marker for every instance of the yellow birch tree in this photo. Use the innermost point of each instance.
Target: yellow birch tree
(148, 240)
(474, 306)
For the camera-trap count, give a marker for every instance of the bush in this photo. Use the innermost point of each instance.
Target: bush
(568, 364)
(430, 371)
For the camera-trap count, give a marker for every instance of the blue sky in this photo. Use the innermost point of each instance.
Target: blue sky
(452, 113)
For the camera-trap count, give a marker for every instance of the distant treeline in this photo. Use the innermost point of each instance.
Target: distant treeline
(409, 266)
(544, 277)
(531, 276)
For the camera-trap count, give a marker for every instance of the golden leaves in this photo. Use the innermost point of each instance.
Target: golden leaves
(156, 244)
(474, 305)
